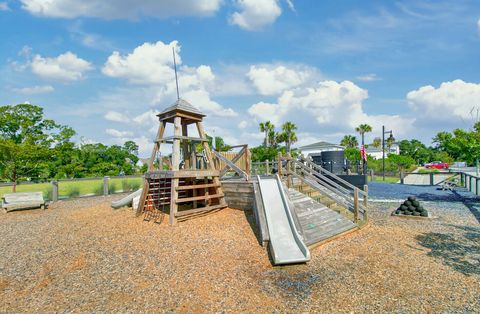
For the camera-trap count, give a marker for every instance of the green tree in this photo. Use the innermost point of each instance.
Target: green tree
(25, 142)
(362, 129)
(267, 128)
(349, 141)
(377, 142)
(288, 135)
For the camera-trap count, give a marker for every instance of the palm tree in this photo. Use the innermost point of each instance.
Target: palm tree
(349, 141)
(377, 142)
(267, 128)
(362, 129)
(290, 136)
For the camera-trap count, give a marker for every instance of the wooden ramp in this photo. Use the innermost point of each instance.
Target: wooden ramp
(316, 222)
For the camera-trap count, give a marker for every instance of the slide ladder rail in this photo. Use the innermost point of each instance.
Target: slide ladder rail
(332, 186)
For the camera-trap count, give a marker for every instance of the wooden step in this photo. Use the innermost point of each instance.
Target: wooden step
(198, 186)
(199, 210)
(199, 198)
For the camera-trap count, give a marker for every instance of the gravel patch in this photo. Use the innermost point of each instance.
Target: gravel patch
(82, 256)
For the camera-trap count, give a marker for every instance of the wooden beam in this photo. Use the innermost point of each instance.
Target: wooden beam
(199, 198)
(177, 129)
(169, 139)
(196, 186)
(156, 146)
(234, 160)
(231, 165)
(199, 210)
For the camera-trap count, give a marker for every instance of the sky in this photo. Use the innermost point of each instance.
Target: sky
(105, 68)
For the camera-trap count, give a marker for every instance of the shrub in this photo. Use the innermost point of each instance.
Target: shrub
(73, 191)
(112, 187)
(98, 190)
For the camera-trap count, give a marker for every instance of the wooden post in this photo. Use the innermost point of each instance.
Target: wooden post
(266, 167)
(156, 145)
(105, 185)
(289, 170)
(177, 131)
(248, 161)
(355, 205)
(476, 186)
(279, 165)
(372, 175)
(365, 202)
(402, 177)
(54, 191)
(186, 155)
(431, 178)
(462, 180)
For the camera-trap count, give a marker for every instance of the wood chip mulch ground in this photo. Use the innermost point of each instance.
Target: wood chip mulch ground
(83, 256)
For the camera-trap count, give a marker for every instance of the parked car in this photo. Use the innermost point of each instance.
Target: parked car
(436, 165)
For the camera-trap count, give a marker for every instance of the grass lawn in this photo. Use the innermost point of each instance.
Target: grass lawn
(387, 179)
(77, 188)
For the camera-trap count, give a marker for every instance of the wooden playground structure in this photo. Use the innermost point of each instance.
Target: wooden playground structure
(190, 188)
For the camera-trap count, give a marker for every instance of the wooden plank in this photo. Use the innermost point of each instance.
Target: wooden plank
(196, 186)
(231, 165)
(199, 210)
(141, 203)
(181, 137)
(234, 160)
(198, 198)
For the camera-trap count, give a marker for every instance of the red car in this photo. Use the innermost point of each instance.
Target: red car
(437, 165)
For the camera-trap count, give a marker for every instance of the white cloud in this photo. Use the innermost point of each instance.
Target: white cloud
(4, 6)
(150, 63)
(129, 9)
(452, 100)
(65, 67)
(255, 14)
(368, 77)
(117, 133)
(116, 117)
(243, 124)
(35, 89)
(329, 107)
(274, 79)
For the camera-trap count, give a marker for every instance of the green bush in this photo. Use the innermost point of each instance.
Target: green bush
(98, 190)
(73, 191)
(48, 193)
(112, 187)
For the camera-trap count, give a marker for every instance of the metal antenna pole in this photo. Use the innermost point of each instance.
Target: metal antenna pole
(175, 67)
(383, 151)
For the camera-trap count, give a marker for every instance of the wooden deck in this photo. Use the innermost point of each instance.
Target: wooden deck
(317, 222)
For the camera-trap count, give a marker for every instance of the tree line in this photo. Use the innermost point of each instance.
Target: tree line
(38, 149)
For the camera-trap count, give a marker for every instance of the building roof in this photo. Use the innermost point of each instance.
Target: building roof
(182, 105)
(320, 146)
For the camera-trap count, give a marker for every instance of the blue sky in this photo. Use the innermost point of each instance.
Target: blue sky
(105, 68)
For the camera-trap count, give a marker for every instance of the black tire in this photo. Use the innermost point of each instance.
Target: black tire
(416, 203)
(411, 208)
(408, 203)
(403, 207)
(408, 213)
(398, 212)
(411, 198)
(416, 214)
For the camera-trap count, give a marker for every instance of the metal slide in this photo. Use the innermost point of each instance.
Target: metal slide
(127, 200)
(286, 244)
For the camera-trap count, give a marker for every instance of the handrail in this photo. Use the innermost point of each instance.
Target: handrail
(321, 169)
(331, 186)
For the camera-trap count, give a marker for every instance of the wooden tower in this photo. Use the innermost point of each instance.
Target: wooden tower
(190, 187)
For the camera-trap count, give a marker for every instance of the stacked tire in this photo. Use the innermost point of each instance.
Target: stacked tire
(411, 207)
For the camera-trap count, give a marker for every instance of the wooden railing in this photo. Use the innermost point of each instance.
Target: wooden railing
(237, 162)
(328, 184)
(470, 182)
